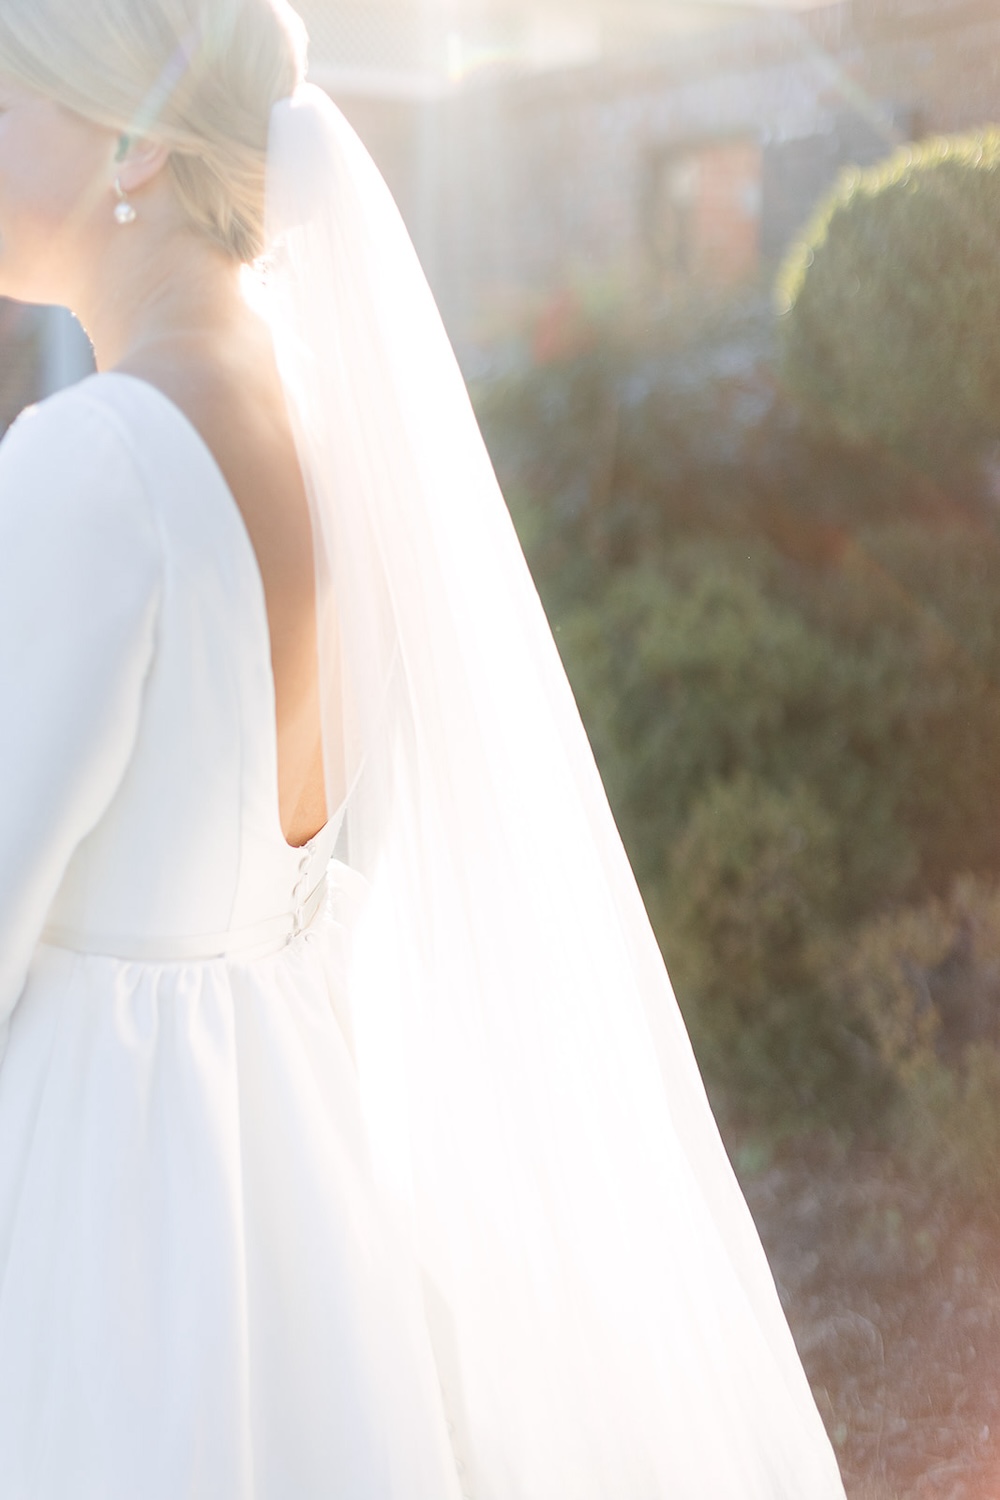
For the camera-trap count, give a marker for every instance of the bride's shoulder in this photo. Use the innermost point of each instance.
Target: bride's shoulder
(69, 465)
(59, 430)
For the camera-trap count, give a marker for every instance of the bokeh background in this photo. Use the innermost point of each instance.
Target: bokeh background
(723, 279)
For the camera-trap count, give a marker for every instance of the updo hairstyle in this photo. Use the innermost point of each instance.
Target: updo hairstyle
(198, 76)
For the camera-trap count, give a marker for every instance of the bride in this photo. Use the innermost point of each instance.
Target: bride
(351, 1145)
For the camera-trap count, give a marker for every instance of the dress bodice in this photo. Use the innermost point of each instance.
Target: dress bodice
(187, 857)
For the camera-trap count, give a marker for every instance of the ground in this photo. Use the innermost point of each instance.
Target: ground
(892, 1288)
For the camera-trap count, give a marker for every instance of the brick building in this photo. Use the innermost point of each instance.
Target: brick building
(667, 141)
(696, 157)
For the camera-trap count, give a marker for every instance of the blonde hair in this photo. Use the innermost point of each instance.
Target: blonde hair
(198, 76)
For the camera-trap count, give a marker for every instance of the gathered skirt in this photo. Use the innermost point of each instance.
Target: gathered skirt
(203, 1294)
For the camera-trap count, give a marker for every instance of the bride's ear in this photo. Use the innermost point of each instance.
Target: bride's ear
(138, 161)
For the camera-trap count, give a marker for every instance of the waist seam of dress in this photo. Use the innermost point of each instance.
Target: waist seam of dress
(257, 940)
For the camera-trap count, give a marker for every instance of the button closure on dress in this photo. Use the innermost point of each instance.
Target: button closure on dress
(300, 894)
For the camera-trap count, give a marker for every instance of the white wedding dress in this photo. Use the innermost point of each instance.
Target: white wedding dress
(201, 1296)
(208, 1289)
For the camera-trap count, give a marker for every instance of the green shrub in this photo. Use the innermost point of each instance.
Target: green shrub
(693, 671)
(891, 302)
(745, 924)
(886, 978)
(926, 981)
(864, 691)
(738, 607)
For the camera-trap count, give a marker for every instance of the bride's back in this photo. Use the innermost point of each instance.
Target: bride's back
(232, 395)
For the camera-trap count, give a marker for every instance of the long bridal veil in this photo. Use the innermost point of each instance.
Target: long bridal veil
(606, 1324)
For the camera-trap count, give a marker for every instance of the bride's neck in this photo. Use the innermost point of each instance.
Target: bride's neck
(188, 290)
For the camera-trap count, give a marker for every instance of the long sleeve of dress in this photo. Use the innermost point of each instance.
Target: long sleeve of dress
(80, 568)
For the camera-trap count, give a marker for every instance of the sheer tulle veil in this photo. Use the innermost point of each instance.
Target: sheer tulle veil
(606, 1324)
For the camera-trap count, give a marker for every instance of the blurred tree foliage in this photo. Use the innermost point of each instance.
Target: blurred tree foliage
(928, 979)
(786, 649)
(891, 303)
(746, 912)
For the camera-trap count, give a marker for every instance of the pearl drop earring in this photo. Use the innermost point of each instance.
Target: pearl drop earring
(124, 211)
